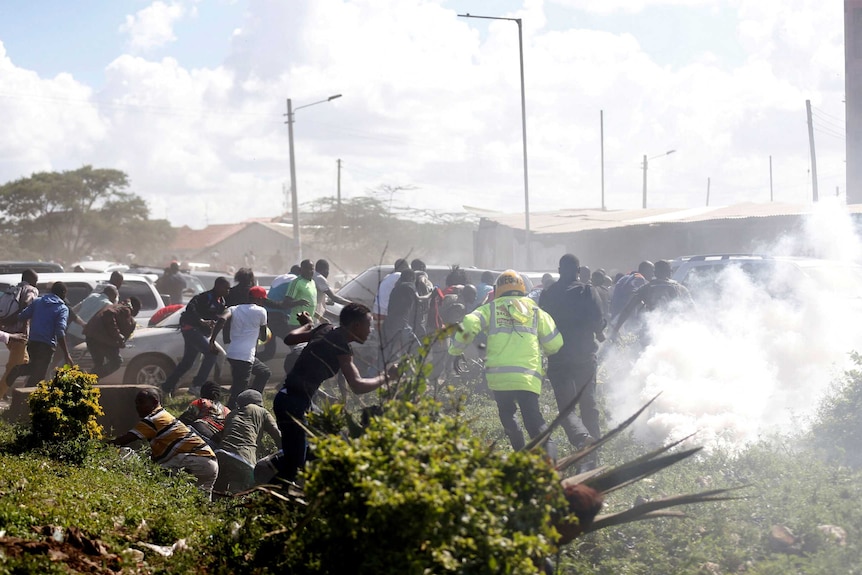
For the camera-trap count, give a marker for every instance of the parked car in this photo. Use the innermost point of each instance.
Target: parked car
(207, 278)
(152, 353)
(80, 285)
(363, 288)
(13, 267)
(194, 285)
(98, 266)
(772, 273)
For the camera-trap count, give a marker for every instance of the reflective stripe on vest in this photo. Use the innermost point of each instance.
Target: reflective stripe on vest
(514, 369)
(548, 338)
(457, 347)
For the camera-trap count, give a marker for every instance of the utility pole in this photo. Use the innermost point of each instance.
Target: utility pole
(645, 170)
(602, 135)
(297, 240)
(707, 191)
(771, 198)
(813, 153)
(294, 203)
(529, 256)
(338, 215)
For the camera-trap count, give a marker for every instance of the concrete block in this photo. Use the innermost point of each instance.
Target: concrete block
(118, 403)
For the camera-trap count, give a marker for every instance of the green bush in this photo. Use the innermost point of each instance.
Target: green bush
(837, 429)
(417, 492)
(66, 407)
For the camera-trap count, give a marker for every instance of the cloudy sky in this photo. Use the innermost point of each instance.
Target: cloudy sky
(188, 97)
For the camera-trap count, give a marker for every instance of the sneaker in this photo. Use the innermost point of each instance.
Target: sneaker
(195, 390)
(583, 441)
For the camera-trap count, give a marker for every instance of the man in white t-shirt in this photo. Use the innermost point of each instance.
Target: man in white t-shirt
(248, 325)
(384, 290)
(321, 273)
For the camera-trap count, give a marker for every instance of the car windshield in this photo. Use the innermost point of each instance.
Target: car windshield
(363, 287)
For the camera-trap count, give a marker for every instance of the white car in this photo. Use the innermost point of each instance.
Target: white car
(152, 353)
(773, 273)
(80, 285)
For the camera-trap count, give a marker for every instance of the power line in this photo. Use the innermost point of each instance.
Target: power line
(825, 113)
(830, 123)
(829, 131)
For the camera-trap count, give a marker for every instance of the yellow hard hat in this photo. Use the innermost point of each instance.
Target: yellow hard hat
(508, 282)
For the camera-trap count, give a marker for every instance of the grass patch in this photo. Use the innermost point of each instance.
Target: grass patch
(124, 502)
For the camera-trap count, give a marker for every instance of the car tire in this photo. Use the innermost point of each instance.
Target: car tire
(148, 370)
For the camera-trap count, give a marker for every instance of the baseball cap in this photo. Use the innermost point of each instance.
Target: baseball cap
(257, 292)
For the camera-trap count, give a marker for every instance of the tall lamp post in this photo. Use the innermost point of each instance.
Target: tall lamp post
(529, 258)
(645, 166)
(294, 203)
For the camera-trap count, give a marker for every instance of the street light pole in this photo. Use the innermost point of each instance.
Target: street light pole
(529, 257)
(294, 202)
(646, 162)
(645, 166)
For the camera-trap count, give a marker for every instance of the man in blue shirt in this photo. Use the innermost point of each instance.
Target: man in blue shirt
(48, 316)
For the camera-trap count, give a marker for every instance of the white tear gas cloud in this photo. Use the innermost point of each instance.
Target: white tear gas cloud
(753, 358)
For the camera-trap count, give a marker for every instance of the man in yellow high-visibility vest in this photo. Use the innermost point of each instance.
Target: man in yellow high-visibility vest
(519, 333)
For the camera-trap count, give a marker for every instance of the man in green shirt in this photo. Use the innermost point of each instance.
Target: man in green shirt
(300, 297)
(301, 294)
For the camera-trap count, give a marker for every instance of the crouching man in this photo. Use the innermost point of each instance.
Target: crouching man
(173, 445)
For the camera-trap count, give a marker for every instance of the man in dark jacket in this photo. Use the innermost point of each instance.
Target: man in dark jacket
(656, 294)
(576, 309)
(172, 283)
(196, 324)
(107, 332)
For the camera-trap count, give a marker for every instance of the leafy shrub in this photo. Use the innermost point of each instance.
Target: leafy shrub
(837, 429)
(417, 492)
(66, 407)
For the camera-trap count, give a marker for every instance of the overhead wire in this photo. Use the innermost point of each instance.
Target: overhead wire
(825, 113)
(827, 122)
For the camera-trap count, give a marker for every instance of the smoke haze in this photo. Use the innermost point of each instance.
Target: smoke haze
(752, 359)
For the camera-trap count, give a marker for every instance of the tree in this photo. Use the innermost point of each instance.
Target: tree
(66, 215)
(373, 224)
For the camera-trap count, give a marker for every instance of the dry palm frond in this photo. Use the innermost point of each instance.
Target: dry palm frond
(586, 491)
(658, 507)
(576, 457)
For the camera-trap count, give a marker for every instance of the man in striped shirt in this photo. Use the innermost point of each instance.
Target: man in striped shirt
(172, 445)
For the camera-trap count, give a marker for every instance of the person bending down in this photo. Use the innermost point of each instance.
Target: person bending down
(237, 453)
(327, 352)
(206, 415)
(172, 445)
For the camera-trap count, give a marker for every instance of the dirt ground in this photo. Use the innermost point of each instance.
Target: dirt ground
(79, 553)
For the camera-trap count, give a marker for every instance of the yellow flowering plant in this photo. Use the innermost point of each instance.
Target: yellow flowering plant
(66, 407)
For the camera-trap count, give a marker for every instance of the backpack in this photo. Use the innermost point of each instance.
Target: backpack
(439, 310)
(10, 304)
(624, 290)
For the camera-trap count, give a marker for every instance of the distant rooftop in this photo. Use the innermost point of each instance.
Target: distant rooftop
(570, 220)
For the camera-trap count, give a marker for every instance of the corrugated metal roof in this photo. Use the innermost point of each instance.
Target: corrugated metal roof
(567, 221)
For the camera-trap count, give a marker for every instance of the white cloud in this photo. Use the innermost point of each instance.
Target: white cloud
(433, 100)
(627, 6)
(153, 26)
(47, 122)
